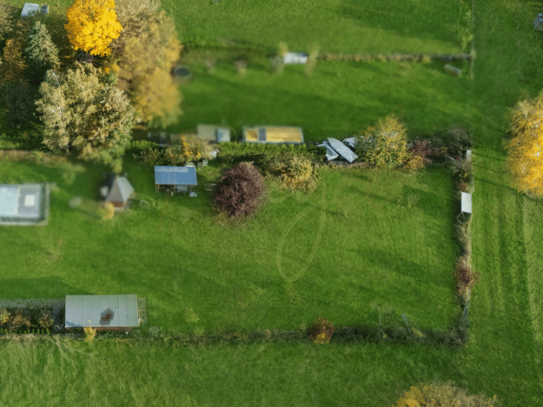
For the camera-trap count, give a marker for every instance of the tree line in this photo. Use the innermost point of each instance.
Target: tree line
(89, 74)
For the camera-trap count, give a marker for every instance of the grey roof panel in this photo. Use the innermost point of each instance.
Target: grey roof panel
(342, 149)
(102, 311)
(175, 175)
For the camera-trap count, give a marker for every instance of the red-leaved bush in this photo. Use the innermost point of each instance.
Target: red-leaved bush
(240, 190)
(422, 149)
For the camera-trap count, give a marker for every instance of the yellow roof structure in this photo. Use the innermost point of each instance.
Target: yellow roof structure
(273, 134)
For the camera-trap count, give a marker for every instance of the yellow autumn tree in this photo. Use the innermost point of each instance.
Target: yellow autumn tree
(525, 158)
(92, 26)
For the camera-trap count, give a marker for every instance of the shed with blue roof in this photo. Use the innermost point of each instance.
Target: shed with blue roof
(175, 179)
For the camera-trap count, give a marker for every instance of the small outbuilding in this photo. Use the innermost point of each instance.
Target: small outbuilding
(118, 191)
(175, 179)
(466, 202)
(273, 135)
(213, 134)
(295, 58)
(30, 9)
(102, 312)
(24, 204)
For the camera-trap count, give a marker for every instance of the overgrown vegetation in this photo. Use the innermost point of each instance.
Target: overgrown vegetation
(444, 394)
(25, 320)
(240, 191)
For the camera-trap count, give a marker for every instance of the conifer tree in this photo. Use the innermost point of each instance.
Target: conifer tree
(42, 53)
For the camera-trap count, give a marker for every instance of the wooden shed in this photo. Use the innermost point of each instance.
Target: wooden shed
(102, 312)
(273, 135)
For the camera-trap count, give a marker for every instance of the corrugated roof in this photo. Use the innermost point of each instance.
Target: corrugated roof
(175, 176)
(120, 190)
(342, 149)
(101, 311)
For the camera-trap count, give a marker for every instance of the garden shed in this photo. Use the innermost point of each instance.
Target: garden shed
(175, 179)
(118, 191)
(273, 135)
(30, 9)
(103, 312)
(213, 134)
(24, 204)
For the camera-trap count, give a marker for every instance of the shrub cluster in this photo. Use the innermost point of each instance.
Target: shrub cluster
(26, 319)
(181, 150)
(443, 394)
(293, 172)
(240, 190)
(321, 331)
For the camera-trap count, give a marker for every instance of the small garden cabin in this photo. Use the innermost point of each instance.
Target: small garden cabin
(24, 204)
(213, 134)
(273, 135)
(103, 312)
(118, 191)
(175, 179)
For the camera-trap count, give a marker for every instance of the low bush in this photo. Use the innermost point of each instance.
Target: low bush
(105, 211)
(240, 190)
(45, 319)
(443, 394)
(186, 148)
(384, 145)
(90, 333)
(321, 331)
(19, 320)
(4, 316)
(261, 154)
(141, 145)
(461, 169)
(293, 172)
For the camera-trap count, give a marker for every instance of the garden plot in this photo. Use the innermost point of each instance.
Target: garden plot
(363, 238)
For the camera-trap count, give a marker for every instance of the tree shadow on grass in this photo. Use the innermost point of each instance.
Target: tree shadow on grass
(49, 287)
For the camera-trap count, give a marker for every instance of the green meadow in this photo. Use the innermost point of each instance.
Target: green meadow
(154, 250)
(363, 237)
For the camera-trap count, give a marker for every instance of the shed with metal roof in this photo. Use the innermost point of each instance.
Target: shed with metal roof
(103, 312)
(24, 204)
(175, 179)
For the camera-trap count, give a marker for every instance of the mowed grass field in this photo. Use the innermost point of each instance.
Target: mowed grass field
(338, 100)
(348, 26)
(363, 237)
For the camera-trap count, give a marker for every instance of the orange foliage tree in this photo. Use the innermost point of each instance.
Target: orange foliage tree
(525, 158)
(93, 25)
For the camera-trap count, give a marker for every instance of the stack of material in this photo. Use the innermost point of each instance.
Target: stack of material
(335, 149)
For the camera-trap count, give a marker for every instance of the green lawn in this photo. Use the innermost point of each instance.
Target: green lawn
(363, 236)
(338, 100)
(349, 26)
